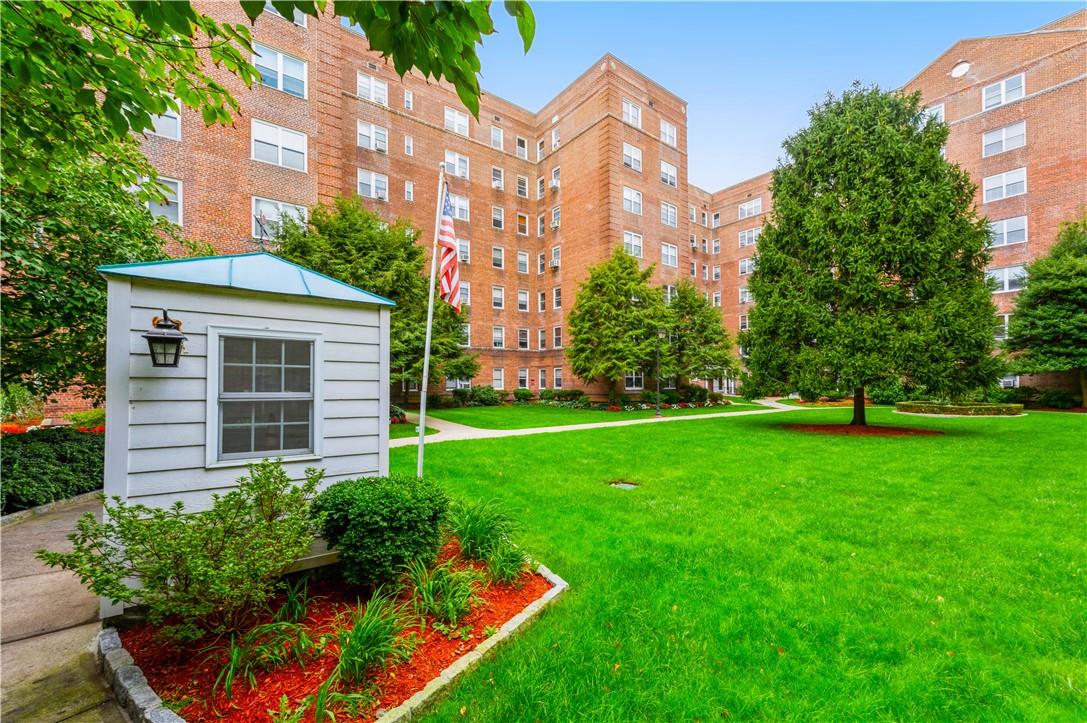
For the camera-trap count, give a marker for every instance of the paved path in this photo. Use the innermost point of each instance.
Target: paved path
(48, 624)
(452, 431)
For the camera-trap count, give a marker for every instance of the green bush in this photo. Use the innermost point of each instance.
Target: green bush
(88, 418)
(462, 396)
(486, 396)
(715, 397)
(479, 526)
(569, 395)
(522, 395)
(649, 397)
(17, 403)
(888, 392)
(547, 395)
(693, 393)
(670, 396)
(435, 401)
(971, 410)
(45, 465)
(1057, 399)
(380, 524)
(199, 573)
(441, 591)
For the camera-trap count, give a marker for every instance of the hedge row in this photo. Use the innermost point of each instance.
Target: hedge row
(45, 465)
(965, 409)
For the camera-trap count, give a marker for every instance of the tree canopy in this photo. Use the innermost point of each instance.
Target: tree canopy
(698, 346)
(79, 77)
(348, 242)
(1049, 326)
(615, 321)
(872, 265)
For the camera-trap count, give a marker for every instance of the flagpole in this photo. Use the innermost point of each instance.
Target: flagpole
(429, 321)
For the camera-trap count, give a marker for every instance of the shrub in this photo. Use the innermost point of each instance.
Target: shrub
(649, 397)
(715, 397)
(505, 561)
(379, 524)
(479, 526)
(888, 392)
(972, 410)
(205, 572)
(435, 401)
(671, 396)
(462, 396)
(88, 418)
(693, 393)
(569, 395)
(1056, 398)
(19, 404)
(45, 465)
(522, 395)
(547, 395)
(486, 396)
(443, 592)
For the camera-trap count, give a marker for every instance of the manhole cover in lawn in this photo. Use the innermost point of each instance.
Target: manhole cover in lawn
(623, 484)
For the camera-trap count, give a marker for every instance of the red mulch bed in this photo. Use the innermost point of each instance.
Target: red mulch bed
(189, 672)
(870, 430)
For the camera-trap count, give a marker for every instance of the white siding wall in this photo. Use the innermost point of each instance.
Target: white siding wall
(156, 453)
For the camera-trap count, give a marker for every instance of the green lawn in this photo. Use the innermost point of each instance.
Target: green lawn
(524, 416)
(760, 573)
(398, 431)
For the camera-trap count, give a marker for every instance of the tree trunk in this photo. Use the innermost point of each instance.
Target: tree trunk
(858, 408)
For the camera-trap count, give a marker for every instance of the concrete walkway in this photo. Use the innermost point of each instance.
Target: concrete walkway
(453, 431)
(48, 624)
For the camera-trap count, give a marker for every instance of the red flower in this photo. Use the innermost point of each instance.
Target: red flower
(614, 408)
(12, 428)
(100, 429)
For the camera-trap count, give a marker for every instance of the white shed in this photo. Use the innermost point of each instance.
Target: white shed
(279, 361)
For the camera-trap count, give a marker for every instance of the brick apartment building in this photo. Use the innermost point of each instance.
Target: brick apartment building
(542, 195)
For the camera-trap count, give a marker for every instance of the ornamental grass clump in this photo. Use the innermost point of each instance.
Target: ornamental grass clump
(198, 573)
(479, 526)
(443, 592)
(505, 560)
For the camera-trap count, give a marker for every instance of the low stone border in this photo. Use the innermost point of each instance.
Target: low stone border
(143, 705)
(960, 416)
(47, 507)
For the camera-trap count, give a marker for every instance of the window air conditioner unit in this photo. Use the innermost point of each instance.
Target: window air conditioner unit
(497, 185)
(554, 184)
(554, 262)
(554, 225)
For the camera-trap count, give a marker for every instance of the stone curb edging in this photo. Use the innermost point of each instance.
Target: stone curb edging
(416, 705)
(961, 416)
(143, 705)
(47, 507)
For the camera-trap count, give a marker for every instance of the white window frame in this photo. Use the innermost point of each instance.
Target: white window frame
(541, 374)
(522, 224)
(462, 207)
(1002, 181)
(632, 157)
(1000, 136)
(466, 293)
(171, 114)
(999, 230)
(498, 337)
(717, 299)
(524, 340)
(179, 201)
(457, 164)
(669, 133)
(215, 333)
(633, 242)
(464, 252)
(541, 339)
(299, 18)
(747, 266)
(522, 296)
(498, 297)
(1003, 321)
(556, 337)
(669, 214)
(745, 322)
(634, 380)
(409, 146)
(521, 148)
(279, 211)
(498, 137)
(750, 236)
(669, 255)
(456, 121)
(669, 174)
(522, 261)
(556, 297)
(498, 218)
(409, 100)
(498, 378)
(522, 378)
(556, 378)
(632, 200)
(747, 209)
(279, 61)
(556, 139)
(409, 191)
(522, 186)
(501, 257)
(745, 295)
(374, 177)
(372, 89)
(1001, 87)
(281, 132)
(498, 178)
(715, 273)
(632, 113)
(1005, 277)
(372, 133)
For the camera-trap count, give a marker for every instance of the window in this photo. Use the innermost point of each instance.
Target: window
(522, 341)
(522, 262)
(498, 217)
(1009, 278)
(267, 214)
(167, 125)
(1003, 92)
(746, 266)
(704, 218)
(556, 255)
(705, 245)
(556, 338)
(456, 164)
(280, 71)
(690, 213)
(632, 114)
(750, 236)
(1004, 139)
(409, 146)
(298, 18)
(541, 224)
(464, 248)
(373, 185)
(669, 255)
(556, 176)
(1002, 322)
(669, 215)
(541, 339)
(632, 200)
(716, 245)
(456, 121)
(498, 337)
(522, 224)
(373, 89)
(540, 149)
(632, 244)
(264, 388)
(543, 378)
(694, 241)
(745, 295)
(522, 300)
(668, 133)
(556, 216)
(542, 299)
(466, 335)
(556, 138)
(465, 293)
(522, 186)
(496, 137)
(632, 157)
(170, 209)
(498, 178)
(750, 208)
(374, 138)
(498, 257)
(1009, 382)
(409, 100)
(1009, 231)
(694, 269)
(716, 219)
(557, 376)
(522, 378)
(717, 298)
(744, 323)
(669, 293)
(556, 297)
(355, 28)
(498, 378)
(668, 174)
(460, 207)
(705, 272)
(633, 380)
(522, 148)
(1005, 185)
(541, 187)
(279, 146)
(409, 191)
(716, 273)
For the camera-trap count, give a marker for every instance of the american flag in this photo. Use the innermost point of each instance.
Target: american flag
(448, 260)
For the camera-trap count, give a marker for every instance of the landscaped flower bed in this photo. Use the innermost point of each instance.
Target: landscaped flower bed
(960, 409)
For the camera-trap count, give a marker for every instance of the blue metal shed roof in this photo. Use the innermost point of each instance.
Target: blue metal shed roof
(257, 271)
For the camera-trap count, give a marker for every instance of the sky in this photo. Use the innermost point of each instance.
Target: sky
(748, 71)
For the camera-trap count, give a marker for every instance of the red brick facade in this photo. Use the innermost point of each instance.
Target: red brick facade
(584, 138)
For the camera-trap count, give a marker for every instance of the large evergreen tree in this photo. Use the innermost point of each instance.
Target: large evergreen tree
(1049, 326)
(348, 242)
(872, 266)
(615, 322)
(698, 346)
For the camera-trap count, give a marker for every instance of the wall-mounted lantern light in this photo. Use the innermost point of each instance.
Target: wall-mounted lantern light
(164, 341)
